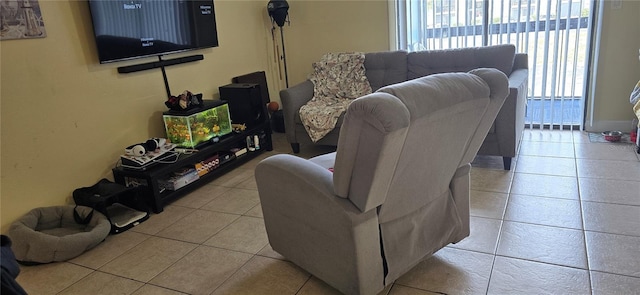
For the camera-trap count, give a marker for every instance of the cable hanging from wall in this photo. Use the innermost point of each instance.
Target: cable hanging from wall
(279, 13)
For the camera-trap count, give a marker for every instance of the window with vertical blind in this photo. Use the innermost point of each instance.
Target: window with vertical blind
(555, 34)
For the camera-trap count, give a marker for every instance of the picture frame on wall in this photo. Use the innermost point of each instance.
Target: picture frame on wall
(21, 19)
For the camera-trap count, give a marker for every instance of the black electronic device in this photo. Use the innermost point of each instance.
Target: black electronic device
(259, 78)
(245, 103)
(120, 204)
(278, 11)
(159, 64)
(140, 28)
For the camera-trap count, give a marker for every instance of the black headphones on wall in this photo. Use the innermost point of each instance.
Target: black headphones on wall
(278, 11)
(140, 149)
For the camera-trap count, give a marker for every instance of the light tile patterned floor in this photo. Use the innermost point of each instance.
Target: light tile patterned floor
(564, 220)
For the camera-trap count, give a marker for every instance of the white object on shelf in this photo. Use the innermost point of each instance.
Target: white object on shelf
(122, 215)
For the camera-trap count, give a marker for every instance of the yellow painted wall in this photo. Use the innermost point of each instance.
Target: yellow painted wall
(618, 64)
(318, 27)
(65, 118)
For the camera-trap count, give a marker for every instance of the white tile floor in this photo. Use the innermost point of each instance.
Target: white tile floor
(564, 220)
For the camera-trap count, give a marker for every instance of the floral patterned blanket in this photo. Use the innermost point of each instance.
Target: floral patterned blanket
(338, 79)
(635, 101)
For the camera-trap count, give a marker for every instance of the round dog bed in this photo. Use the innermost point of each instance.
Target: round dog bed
(50, 234)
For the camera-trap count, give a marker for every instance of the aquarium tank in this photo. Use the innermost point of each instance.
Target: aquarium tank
(197, 126)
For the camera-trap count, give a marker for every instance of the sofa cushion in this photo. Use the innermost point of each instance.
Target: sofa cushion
(423, 63)
(385, 68)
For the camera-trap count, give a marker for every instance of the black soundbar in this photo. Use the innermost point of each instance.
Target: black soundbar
(159, 64)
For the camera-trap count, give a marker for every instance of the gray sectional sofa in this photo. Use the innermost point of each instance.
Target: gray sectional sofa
(386, 68)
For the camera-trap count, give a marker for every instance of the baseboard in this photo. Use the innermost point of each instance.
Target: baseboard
(599, 126)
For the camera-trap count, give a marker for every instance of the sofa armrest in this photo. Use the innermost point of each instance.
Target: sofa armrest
(304, 183)
(509, 124)
(519, 79)
(292, 99)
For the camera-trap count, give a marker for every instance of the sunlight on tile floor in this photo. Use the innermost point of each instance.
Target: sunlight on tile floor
(564, 220)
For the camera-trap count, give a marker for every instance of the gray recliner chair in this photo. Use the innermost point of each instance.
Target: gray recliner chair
(399, 190)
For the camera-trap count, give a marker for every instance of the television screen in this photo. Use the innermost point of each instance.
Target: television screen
(140, 28)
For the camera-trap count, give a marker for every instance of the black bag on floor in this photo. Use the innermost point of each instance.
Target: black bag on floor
(120, 204)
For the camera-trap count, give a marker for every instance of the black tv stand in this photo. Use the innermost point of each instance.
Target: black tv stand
(149, 180)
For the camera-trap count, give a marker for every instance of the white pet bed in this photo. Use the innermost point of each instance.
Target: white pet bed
(51, 234)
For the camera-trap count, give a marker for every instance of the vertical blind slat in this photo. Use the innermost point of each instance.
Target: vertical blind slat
(554, 68)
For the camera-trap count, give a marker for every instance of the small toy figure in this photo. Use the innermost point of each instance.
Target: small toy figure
(238, 127)
(186, 100)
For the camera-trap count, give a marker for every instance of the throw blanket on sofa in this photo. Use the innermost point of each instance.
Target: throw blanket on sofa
(338, 79)
(635, 101)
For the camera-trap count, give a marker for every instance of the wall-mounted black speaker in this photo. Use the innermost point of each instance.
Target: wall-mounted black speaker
(245, 103)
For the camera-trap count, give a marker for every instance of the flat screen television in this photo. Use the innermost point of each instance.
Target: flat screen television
(140, 28)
